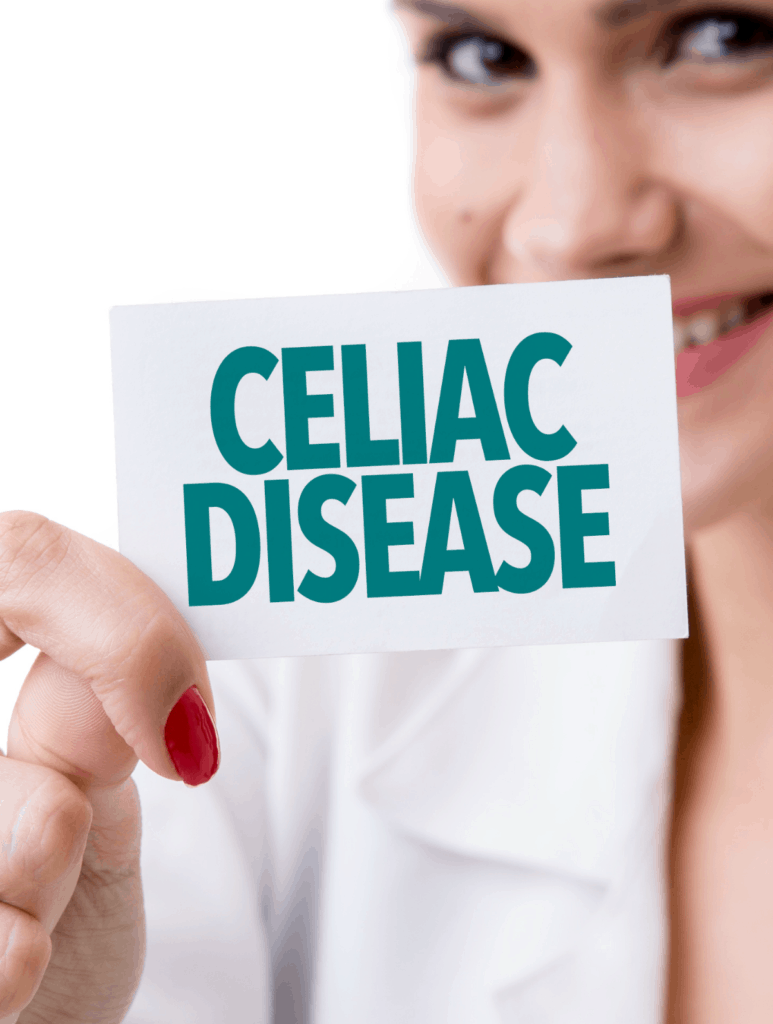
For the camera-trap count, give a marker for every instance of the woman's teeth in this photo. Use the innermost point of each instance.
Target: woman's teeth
(708, 324)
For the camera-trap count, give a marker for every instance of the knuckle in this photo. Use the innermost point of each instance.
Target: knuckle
(65, 815)
(45, 837)
(25, 949)
(45, 823)
(29, 543)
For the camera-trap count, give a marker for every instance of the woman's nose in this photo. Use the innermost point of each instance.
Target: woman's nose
(587, 203)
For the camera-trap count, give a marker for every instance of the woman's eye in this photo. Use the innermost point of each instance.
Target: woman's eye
(478, 60)
(720, 37)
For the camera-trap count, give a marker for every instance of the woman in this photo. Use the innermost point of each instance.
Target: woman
(561, 140)
(587, 140)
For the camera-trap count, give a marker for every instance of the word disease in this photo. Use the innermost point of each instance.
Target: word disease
(453, 520)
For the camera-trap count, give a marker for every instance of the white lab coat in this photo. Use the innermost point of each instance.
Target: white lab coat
(458, 837)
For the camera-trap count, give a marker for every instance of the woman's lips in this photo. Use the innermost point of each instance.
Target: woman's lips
(702, 364)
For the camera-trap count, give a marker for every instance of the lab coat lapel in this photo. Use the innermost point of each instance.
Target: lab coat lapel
(534, 757)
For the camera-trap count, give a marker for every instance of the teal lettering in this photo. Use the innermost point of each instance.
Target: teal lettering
(575, 525)
(454, 490)
(529, 438)
(413, 421)
(279, 541)
(465, 356)
(380, 535)
(327, 589)
(243, 457)
(198, 499)
(361, 450)
(525, 529)
(300, 407)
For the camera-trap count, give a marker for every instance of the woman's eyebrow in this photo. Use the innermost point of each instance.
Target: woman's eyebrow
(449, 14)
(612, 14)
(623, 12)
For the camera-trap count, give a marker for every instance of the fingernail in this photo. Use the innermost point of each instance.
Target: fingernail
(191, 739)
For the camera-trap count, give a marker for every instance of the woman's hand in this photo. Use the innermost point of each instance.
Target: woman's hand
(115, 659)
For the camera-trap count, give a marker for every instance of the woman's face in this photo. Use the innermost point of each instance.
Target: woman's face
(575, 139)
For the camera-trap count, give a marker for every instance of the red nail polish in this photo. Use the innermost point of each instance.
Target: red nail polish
(191, 739)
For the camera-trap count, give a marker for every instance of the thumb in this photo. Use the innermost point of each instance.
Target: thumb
(120, 675)
(60, 723)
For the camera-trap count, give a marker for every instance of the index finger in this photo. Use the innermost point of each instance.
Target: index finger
(106, 627)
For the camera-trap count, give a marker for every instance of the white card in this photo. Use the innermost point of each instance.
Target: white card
(468, 467)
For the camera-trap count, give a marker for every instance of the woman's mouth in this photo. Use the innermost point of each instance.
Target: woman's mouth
(710, 334)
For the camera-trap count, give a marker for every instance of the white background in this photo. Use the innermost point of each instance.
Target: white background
(169, 150)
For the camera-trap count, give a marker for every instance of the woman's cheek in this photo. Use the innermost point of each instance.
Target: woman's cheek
(735, 140)
(440, 185)
(442, 164)
(462, 196)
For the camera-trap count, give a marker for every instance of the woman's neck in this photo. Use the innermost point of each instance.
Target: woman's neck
(722, 832)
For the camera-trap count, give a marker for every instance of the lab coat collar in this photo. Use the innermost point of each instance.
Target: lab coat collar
(534, 757)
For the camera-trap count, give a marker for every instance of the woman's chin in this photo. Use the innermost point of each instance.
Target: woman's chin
(722, 475)
(705, 503)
